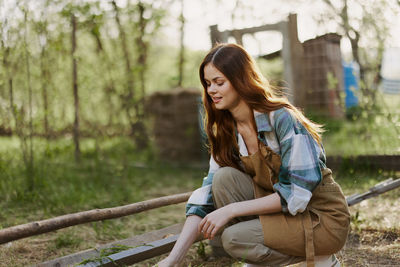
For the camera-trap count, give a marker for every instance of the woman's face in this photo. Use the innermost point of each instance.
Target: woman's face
(220, 89)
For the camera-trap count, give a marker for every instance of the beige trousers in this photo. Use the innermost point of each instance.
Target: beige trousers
(243, 237)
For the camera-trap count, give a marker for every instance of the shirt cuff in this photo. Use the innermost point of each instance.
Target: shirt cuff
(199, 210)
(298, 200)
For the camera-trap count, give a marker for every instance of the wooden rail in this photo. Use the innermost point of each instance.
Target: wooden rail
(378, 189)
(40, 227)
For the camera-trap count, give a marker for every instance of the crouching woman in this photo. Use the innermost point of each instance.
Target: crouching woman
(268, 192)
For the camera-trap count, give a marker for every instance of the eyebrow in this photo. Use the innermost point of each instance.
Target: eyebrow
(215, 78)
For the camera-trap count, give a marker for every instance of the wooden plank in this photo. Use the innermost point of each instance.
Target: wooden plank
(44, 226)
(251, 30)
(378, 189)
(73, 259)
(138, 254)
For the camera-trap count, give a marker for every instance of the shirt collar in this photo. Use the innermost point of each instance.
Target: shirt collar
(262, 122)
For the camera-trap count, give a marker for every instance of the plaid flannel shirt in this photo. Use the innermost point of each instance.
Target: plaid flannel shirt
(300, 172)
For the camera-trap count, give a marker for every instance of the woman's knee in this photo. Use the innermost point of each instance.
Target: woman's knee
(224, 177)
(228, 239)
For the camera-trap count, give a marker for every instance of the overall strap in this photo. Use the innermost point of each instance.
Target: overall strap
(309, 238)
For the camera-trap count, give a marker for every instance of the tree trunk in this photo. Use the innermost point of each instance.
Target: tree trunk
(108, 80)
(45, 80)
(182, 48)
(75, 90)
(138, 128)
(129, 97)
(29, 165)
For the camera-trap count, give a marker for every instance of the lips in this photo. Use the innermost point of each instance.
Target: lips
(216, 99)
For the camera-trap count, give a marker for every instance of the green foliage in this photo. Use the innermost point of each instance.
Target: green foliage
(101, 64)
(201, 250)
(367, 130)
(105, 253)
(356, 221)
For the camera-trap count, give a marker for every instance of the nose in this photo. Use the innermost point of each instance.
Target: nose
(211, 89)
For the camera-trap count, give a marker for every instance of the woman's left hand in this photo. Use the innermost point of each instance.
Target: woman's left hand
(214, 221)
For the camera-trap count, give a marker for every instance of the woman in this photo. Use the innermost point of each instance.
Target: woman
(268, 192)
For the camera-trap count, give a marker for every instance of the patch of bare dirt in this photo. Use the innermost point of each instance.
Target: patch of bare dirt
(372, 247)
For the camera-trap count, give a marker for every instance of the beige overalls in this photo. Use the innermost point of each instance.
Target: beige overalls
(321, 229)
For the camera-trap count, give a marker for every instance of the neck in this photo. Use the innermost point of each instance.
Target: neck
(242, 114)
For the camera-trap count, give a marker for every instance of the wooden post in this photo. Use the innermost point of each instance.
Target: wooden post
(238, 37)
(287, 60)
(292, 53)
(217, 36)
(297, 52)
(214, 34)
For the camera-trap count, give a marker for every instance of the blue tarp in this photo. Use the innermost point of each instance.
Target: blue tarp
(351, 74)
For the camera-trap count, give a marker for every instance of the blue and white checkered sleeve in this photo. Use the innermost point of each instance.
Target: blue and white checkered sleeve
(201, 202)
(300, 172)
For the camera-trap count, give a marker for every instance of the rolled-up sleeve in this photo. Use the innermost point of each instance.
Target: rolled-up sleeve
(300, 170)
(201, 202)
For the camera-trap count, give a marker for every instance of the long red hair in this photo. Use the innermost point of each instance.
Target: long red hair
(242, 72)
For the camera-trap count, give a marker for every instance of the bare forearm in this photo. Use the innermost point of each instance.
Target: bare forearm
(259, 206)
(187, 237)
(215, 220)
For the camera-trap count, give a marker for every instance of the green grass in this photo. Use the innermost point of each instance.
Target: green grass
(110, 174)
(364, 132)
(348, 138)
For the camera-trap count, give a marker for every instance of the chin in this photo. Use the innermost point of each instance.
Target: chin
(219, 107)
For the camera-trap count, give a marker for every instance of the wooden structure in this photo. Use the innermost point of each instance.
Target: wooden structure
(143, 247)
(323, 75)
(312, 70)
(175, 122)
(45, 226)
(292, 51)
(378, 189)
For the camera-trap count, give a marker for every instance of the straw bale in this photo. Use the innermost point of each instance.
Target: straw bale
(176, 128)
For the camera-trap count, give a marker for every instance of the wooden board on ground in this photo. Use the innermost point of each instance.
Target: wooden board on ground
(138, 254)
(158, 235)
